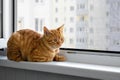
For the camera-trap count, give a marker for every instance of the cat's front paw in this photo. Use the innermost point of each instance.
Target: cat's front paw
(59, 58)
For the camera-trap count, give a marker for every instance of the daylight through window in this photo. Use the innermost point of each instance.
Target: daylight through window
(89, 24)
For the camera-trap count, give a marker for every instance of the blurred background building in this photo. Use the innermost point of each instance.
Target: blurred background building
(89, 24)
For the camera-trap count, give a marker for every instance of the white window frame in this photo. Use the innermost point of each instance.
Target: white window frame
(88, 56)
(76, 58)
(7, 22)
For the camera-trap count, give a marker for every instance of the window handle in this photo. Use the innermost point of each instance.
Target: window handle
(71, 52)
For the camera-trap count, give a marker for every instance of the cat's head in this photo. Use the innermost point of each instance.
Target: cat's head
(54, 38)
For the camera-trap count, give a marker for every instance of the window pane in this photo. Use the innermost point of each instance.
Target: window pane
(1, 19)
(89, 24)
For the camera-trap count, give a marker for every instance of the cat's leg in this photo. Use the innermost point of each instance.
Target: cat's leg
(37, 57)
(59, 58)
(14, 54)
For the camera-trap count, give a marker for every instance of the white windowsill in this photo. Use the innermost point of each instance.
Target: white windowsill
(68, 68)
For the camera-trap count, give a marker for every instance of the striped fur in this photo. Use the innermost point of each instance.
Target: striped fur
(28, 45)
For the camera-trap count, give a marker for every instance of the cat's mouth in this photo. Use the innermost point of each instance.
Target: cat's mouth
(54, 47)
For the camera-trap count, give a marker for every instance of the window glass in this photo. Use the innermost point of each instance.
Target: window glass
(1, 19)
(88, 25)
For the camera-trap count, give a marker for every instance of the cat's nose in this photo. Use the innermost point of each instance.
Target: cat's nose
(58, 43)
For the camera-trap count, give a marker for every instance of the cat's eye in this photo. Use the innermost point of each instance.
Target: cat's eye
(62, 39)
(55, 40)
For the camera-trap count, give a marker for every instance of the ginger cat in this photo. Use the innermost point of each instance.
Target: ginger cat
(28, 45)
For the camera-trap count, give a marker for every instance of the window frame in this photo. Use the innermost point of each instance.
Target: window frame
(109, 58)
(88, 51)
(97, 57)
(2, 34)
(7, 23)
(1, 12)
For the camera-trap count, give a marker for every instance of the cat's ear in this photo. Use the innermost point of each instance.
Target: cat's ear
(61, 28)
(46, 31)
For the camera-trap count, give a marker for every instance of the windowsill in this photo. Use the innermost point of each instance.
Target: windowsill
(67, 68)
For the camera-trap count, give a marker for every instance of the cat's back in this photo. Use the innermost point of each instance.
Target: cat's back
(26, 33)
(24, 36)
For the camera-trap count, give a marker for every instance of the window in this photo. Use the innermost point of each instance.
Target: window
(82, 6)
(5, 24)
(87, 16)
(36, 24)
(56, 20)
(20, 23)
(56, 1)
(71, 8)
(71, 19)
(71, 41)
(41, 24)
(36, 1)
(56, 10)
(91, 7)
(91, 30)
(41, 1)
(71, 30)
(90, 37)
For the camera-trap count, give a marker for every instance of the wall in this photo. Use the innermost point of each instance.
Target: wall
(20, 74)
